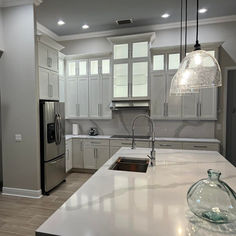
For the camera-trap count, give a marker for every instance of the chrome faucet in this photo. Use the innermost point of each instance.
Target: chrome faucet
(152, 155)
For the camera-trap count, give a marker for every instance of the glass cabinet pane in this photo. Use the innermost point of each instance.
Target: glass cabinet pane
(106, 66)
(61, 67)
(82, 68)
(120, 83)
(94, 67)
(71, 68)
(140, 49)
(158, 62)
(140, 79)
(121, 51)
(174, 60)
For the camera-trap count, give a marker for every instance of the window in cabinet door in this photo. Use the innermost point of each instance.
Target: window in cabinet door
(158, 62)
(106, 66)
(140, 49)
(82, 68)
(71, 68)
(120, 80)
(174, 61)
(140, 79)
(121, 51)
(61, 67)
(94, 67)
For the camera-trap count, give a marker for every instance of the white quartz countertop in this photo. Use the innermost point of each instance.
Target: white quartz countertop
(120, 203)
(205, 140)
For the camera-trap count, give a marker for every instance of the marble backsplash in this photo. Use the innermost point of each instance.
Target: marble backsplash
(121, 124)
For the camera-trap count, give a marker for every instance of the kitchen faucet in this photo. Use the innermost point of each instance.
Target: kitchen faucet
(152, 155)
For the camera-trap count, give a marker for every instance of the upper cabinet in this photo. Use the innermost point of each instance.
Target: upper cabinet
(48, 69)
(131, 57)
(90, 80)
(164, 106)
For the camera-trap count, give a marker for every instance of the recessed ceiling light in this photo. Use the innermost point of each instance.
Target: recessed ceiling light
(166, 15)
(202, 10)
(61, 22)
(85, 26)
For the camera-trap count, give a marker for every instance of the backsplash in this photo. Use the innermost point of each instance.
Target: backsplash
(121, 124)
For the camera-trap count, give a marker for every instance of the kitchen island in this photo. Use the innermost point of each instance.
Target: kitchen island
(121, 203)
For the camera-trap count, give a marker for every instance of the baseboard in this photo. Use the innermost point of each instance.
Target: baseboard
(22, 192)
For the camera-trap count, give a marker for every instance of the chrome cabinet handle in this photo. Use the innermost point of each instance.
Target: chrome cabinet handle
(164, 110)
(126, 143)
(165, 145)
(200, 109)
(49, 62)
(81, 146)
(78, 109)
(198, 146)
(167, 109)
(98, 109)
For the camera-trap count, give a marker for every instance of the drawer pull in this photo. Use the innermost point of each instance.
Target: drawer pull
(95, 142)
(126, 143)
(198, 146)
(165, 145)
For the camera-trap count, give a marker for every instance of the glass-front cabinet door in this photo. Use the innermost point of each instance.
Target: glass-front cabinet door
(131, 70)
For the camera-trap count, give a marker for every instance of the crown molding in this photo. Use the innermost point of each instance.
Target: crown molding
(132, 30)
(12, 3)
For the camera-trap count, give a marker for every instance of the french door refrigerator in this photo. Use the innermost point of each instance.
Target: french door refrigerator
(52, 144)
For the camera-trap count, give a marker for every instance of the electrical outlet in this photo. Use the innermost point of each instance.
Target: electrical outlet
(18, 137)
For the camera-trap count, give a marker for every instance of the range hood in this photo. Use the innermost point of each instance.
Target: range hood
(130, 104)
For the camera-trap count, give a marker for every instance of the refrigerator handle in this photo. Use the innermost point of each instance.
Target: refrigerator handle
(59, 130)
(56, 130)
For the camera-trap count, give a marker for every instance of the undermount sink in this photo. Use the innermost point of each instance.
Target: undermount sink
(130, 164)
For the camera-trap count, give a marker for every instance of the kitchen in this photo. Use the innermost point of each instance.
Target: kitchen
(106, 76)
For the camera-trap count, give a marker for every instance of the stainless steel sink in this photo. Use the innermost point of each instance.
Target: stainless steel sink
(130, 164)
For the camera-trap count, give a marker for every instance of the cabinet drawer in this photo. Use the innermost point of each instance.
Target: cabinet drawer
(95, 142)
(201, 146)
(128, 143)
(168, 145)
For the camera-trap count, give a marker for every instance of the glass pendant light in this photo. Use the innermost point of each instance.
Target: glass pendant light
(197, 70)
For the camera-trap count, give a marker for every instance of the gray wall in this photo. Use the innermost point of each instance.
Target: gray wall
(225, 32)
(19, 89)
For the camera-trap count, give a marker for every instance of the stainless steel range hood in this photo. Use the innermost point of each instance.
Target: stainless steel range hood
(130, 104)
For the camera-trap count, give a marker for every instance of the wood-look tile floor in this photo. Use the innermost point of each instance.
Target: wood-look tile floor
(22, 216)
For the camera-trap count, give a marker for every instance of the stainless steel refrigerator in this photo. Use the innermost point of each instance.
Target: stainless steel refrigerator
(52, 144)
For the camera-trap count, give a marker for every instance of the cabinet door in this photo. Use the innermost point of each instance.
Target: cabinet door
(71, 97)
(42, 55)
(77, 153)
(61, 90)
(68, 155)
(94, 98)
(83, 97)
(53, 86)
(53, 59)
(158, 88)
(101, 155)
(43, 83)
(190, 106)
(89, 157)
(106, 96)
(208, 104)
(174, 103)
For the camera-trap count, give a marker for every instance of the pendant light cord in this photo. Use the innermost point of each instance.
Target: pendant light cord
(197, 46)
(181, 30)
(186, 26)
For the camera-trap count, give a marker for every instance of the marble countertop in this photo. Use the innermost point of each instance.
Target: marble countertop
(141, 204)
(206, 140)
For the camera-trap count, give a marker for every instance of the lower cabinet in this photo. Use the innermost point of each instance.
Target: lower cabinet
(77, 153)
(68, 155)
(95, 153)
(168, 145)
(201, 146)
(116, 144)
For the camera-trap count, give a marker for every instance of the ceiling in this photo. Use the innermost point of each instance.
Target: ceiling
(102, 14)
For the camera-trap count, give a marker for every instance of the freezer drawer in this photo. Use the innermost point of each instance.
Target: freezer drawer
(54, 173)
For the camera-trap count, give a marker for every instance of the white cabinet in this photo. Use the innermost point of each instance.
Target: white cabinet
(208, 104)
(95, 153)
(68, 155)
(190, 106)
(201, 146)
(48, 84)
(47, 57)
(61, 90)
(168, 145)
(77, 156)
(71, 98)
(88, 89)
(158, 91)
